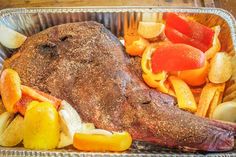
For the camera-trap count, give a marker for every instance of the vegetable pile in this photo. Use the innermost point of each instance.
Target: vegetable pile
(42, 121)
(182, 57)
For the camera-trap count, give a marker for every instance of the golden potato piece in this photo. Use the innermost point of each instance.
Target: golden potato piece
(41, 126)
(13, 134)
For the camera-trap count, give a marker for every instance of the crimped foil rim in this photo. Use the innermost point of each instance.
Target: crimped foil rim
(216, 11)
(228, 17)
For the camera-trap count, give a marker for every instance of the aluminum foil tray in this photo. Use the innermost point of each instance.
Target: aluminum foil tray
(118, 19)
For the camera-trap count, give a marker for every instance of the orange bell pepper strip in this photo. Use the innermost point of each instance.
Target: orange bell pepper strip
(137, 47)
(40, 96)
(95, 142)
(10, 87)
(184, 95)
(195, 77)
(29, 95)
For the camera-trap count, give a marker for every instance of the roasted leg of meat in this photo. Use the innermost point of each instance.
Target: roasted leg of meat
(86, 65)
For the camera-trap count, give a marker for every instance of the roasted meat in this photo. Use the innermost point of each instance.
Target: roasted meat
(86, 65)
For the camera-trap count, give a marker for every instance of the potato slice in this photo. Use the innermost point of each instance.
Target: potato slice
(225, 111)
(5, 120)
(10, 38)
(10, 86)
(13, 134)
(150, 30)
(220, 68)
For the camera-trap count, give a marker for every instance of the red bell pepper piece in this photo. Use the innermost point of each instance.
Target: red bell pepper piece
(177, 57)
(179, 30)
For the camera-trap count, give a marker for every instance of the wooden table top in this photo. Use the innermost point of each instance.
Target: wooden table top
(229, 5)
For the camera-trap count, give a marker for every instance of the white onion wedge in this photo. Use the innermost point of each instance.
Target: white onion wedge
(98, 132)
(150, 30)
(220, 68)
(225, 111)
(10, 38)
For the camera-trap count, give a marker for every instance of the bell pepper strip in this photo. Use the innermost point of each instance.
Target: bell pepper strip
(206, 97)
(147, 56)
(30, 94)
(180, 30)
(184, 95)
(157, 80)
(216, 46)
(195, 77)
(164, 87)
(93, 142)
(177, 57)
(137, 47)
(214, 103)
(160, 85)
(148, 75)
(10, 86)
(210, 97)
(21, 105)
(40, 96)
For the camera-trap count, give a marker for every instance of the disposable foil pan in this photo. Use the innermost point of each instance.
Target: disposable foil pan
(117, 19)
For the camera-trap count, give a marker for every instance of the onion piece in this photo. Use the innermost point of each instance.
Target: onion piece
(225, 111)
(220, 68)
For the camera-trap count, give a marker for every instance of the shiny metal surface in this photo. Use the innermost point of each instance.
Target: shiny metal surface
(118, 19)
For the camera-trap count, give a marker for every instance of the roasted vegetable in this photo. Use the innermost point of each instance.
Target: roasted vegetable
(177, 57)
(179, 30)
(10, 38)
(100, 142)
(137, 47)
(195, 77)
(150, 30)
(220, 68)
(157, 80)
(29, 94)
(209, 99)
(225, 111)
(13, 132)
(10, 86)
(184, 95)
(41, 126)
(70, 122)
(2, 108)
(210, 53)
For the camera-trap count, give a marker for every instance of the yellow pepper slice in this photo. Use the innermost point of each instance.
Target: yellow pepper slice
(210, 97)
(95, 142)
(184, 95)
(216, 46)
(150, 78)
(146, 62)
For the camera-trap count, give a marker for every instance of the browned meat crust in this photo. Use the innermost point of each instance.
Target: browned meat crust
(85, 64)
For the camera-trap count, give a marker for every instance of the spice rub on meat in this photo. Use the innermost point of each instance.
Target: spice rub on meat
(85, 64)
